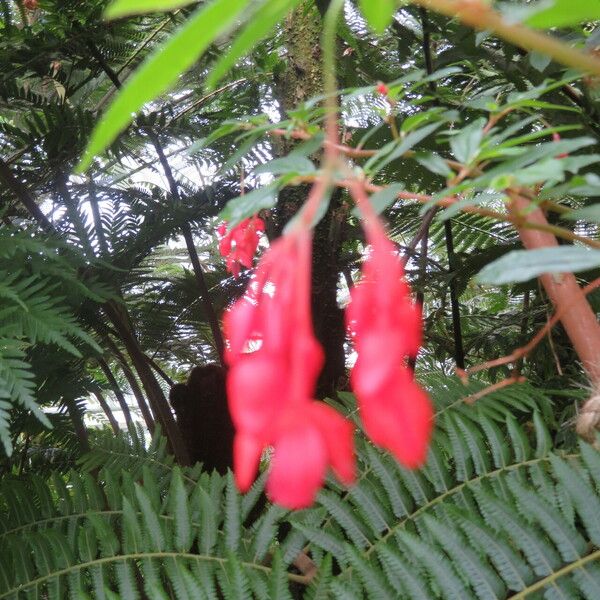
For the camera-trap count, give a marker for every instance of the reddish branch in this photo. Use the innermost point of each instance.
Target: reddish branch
(572, 308)
(519, 221)
(524, 351)
(518, 354)
(576, 315)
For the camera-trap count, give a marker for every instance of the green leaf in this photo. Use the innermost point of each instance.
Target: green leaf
(419, 118)
(397, 148)
(480, 575)
(180, 509)
(124, 8)
(539, 61)
(278, 583)
(441, 569)
(158, 73)
(382, 199)
(523, 265)
(582, 494)
(151, 523)
(569, 541)
(245, 206)
(434, 163)
(378, 13)
(233, 522)
(293, 164)
(564, 12)
(255, 31)
(588, 213)
(465, 144)
(543, 440)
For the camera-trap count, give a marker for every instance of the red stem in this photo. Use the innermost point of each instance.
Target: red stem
(577, 317)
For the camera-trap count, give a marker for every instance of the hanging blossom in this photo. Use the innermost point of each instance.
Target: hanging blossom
(274, 361)
(239, 244)
(385, 327)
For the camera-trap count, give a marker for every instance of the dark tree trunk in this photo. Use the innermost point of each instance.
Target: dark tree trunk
(154, 393)
(109, 414)
(133, 384)
(301, 80)
(114, 386)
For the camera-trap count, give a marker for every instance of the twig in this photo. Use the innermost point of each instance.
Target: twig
(482, 16)
(494, 388)
(524, 351)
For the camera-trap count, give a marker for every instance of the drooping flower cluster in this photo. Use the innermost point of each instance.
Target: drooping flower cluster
(274, 362)
(239, 245)
(386, 329)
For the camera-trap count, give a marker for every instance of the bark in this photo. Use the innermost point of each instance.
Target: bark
(154, 393)
(578, 319)
(107, 411)
(133, 384)
(114, 386)
(300, 80)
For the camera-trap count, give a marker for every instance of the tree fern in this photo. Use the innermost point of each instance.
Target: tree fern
(33, 312)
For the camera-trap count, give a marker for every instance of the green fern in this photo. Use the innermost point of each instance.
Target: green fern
(33, 312)
(494, 521)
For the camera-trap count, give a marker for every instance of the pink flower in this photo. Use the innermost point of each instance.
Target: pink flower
(274, 362)
(382, 89)
(239, 245)
(386, 329)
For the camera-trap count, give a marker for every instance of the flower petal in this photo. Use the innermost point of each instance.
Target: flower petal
(400, 418)
(338, 434)
(247, 451)
(256, 390)
(238, 324)
(299, 466)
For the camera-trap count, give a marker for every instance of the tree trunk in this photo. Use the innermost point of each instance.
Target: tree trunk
(299, 81)
(107, 411)
(117, 392)
(133, 384)
(155, 395)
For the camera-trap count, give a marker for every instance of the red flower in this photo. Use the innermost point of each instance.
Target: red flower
(239, 244)
(382, 89)
(386, 328)
(274, 362)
